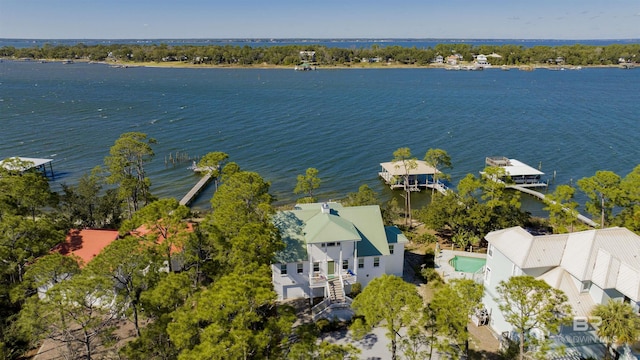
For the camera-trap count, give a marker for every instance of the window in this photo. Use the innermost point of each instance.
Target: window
(360, 263)
(345, 264)
(300, 268)
(331, 244)
(490, 250)
(586, 285)
(391, 249)
(283, 269)
(487, 275)
(376, 261)
(316, 266)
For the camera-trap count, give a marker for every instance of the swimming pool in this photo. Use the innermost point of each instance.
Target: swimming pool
(467, 264)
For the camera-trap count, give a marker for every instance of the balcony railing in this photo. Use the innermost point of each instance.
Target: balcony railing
(319, 279)
(327, 305)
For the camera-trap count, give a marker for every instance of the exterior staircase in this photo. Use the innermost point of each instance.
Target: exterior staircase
(336, 291)
(336, 305)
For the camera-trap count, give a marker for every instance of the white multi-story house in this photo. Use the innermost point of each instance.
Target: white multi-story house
(482, 62)
(329, 247)
(590, 267)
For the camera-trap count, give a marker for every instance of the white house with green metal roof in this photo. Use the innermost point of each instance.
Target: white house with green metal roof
(329, 247)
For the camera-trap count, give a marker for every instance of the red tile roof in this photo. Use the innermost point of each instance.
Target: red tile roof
(86, 243)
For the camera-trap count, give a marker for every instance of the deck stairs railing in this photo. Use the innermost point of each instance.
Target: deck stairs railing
(336, 299)
(336, 290)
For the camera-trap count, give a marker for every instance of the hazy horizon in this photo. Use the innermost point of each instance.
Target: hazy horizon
(331, 19)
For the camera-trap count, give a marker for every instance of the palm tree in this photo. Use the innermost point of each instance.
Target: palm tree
(404, 161)
(437, 158)
(620, 324)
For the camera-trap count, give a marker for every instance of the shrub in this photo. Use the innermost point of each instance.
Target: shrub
(425, 238)
(356, 288)
(431, 275)
(323, 325)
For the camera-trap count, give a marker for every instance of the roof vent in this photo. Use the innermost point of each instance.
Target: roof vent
(325, 208)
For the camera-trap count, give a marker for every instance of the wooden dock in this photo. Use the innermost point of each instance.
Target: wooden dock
(196, 189)
(542, 197)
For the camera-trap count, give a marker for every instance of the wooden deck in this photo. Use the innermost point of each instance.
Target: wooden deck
(196, 189)
(542, 197)
(389, 179)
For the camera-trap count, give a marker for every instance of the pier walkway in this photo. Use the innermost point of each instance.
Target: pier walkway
(542, 197)
(196, 189)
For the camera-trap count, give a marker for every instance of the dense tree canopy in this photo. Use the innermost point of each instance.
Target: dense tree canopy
(406, 163)
(562, 209)
(125, 163)
(88, 204)
(235, 319)
(619, 323)
(287, 55)
(603, 190)
(453, 304)
(528, 304)
(307, 183)
(364, 196)
(212, 163)
(390, 302)
(438, 159)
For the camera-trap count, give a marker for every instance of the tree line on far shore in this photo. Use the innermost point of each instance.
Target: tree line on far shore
(288, 55)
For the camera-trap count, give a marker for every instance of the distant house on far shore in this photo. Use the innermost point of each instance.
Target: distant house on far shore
(453, 59)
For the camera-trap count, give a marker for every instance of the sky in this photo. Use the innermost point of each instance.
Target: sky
(320, 19)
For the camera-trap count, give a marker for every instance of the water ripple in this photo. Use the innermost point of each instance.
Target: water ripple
(343, 122)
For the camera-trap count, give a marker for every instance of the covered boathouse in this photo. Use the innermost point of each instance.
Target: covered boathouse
(420, 176)
(520, 173)
(22, 164)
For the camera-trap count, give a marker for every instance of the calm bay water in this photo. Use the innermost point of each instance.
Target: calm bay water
(343, 122)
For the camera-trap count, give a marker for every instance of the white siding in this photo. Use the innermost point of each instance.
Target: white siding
(598, 295)
(293, 284)
(394, 264)
(369, 272)
(501, 268)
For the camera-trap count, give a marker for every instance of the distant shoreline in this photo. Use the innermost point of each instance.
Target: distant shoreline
(373, 66)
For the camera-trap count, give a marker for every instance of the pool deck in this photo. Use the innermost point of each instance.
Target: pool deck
(448, 272)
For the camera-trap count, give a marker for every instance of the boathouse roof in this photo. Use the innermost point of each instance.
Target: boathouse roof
(30, 163)
(517, 168)
(397, 168)
(513, 167)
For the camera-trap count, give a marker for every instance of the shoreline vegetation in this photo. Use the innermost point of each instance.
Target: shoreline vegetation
(321, 57)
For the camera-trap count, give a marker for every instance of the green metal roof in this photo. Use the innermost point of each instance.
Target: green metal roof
(324, 228)
(307, 224)
(395, 235)
(291, 229)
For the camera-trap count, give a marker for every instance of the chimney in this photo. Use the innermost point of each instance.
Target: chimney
(325, 208)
